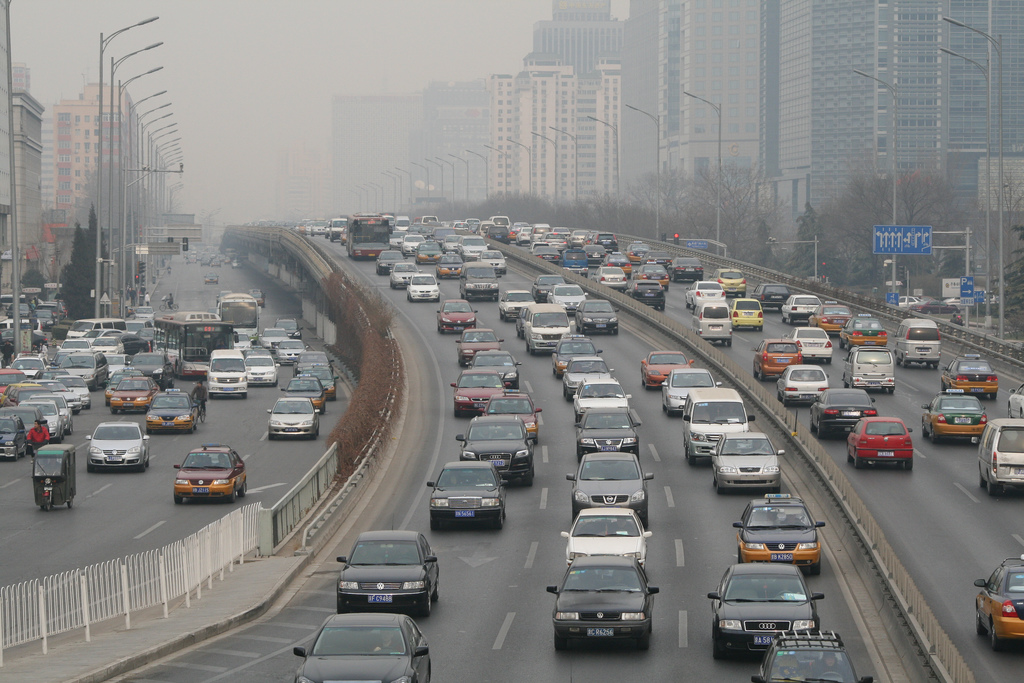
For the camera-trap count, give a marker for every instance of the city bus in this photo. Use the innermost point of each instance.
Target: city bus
(189, 337)
(368, 234)
(242, 311)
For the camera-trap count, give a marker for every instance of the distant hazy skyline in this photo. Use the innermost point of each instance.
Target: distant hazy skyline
(249, 78)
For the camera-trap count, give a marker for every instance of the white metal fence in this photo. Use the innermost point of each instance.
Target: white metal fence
(40, 608)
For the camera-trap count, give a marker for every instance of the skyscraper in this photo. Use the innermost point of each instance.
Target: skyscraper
(579, 32)
(456, 117)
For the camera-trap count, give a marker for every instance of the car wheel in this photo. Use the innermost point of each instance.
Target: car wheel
(615, 331)
(323, 409)
(729, 343)
(643, 642)
(857, 462)
(528, 479)
(994, 489)
(178, 500)
(935, 438)
(499, 521)
(717, 485)
(270, 436)
(561, 643)
(979, 625)
(245, 489)
(893, 389)
(994, 640)
(90, 468)
(814, 569)
(425, 606)
(232, 496)
(148, 430)
(982, 482)
(908, 465)
(717, 651)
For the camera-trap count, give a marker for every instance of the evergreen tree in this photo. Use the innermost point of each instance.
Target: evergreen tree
(79, 275)
(801, 263)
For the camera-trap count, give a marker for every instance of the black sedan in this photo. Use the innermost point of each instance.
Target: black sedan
(686, 269)
(366, 647)
(502, 361)
(596, 315)
(157, 365)
(603, 598)
(543, 285)
(134, 344)
(837, 410)
(608, 429)
(754, 603)
(467, 491)
(390, 571)
(387, 260)
(595, 254)
(501, 440)
(610, 480)
(647, 292)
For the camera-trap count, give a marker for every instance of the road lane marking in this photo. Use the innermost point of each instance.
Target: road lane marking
(10, 483)
(669, 498)
(231, 653)
(1017, 538)
(264, 488)
(540, 420)
(503, 631)
(264, 437)
(268, 639)
(544, 498)
(199, 667)
(99, 490)
(919, 454)
(529, 387)
(246, 456)
(680, 558)
(152, 528)
(654, 452)
(544, 454)
(684, 634)
(965, 492)
(531, 556)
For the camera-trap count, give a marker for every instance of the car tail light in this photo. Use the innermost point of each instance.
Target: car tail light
(799, 358)
(941, 418)
(1008, 609)
(719, 280)
(793, 389)
(991, 378)
(983, 420)
(760, 314)
(831, 411)
(908, 441)
(743, 281)
(883, 333)
(822, 388)
(870, 412)
(764, 357)
(828, 344)
(962, 378)
(858, 333)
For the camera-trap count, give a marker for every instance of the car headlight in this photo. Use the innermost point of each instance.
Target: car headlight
(638, 496)
(588, 320)
(276, 423)
(632, 616)
(306, 423)
(530, 425)
(438, 502)
(510, 375)
(93, 450)
(587, 442)
(134, 450)
(807, 546)
(490, 502)
(771, 469)
(803, 624)
(522, 453)
(581, 497)
(536, 335)
(613, 320)
(445, 320)
(413, 585)
(697, 436)
(469, 454)
(731, 624)
(629, 440)
(89, 375)
(181, 482)
(753, 546)
(220, 482)
(462, 398)
(727, 469)
(567, 616)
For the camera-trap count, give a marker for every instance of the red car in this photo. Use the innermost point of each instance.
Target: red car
(880, 439)
(477, 339)
(455, 315)
(473, 389)
(10, 376)
(655, 367)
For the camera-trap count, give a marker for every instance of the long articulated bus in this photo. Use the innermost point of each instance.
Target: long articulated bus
(189, 337)
(242, 311)
(368, 234)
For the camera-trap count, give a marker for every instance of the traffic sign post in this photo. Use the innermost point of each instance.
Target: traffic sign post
(892, 298)
(902, 239)
(967, 287)
(696, 244)
(979, 297)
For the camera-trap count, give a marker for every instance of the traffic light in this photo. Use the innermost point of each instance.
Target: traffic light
(141, 272)
(184, 244)
(675, 237)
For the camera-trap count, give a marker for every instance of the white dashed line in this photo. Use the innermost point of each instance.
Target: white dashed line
(668, 497)
(540, 420)
(10, 483)
(680, 559)
(966, 492)
(544, 454)
(919, 454)
(529, 387)
(654, 452)
(99, 490)
(1017, 538)
(531, 556)
(152, 528)
(503, 631)
(684, 635)
(544, 498)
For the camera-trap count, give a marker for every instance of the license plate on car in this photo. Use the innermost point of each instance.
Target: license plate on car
(383, 597)
(200, 489)
(977, 389)
(114, 458)
(228, 389)
(601, 632)
(457, 328)
(763, 640)
(465, 513)
(651, 294)
(479, 405)
(781, 557)
(869, 343)
(962, 420)
(1018, 471)
(851, 413)
(873, 383)
(291, 429)
(715, 327)
(885, 454)
(168, 424)
(923, 349)
(608, 448)
(601, 325)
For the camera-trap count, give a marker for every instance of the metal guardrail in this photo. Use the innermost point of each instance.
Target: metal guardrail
(280, 520)
(936, 645)
(59, 603)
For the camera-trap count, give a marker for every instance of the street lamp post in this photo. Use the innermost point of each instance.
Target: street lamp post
(576, 154)
(466, 162)
(772, 240)
(408, 173)
(615, 137)
(441, 169)
(452, 164)
(396, 188)
(996, 43)
(505, 157)
(104, 42)
(378, 196)
(718, 190)
(427, 169)
(529, 161)
(657, 144)
(487, 173)
(891, 87)
(554, 145)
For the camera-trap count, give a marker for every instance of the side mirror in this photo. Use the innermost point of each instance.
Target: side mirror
(145, 437)
(737, 525)
(751, 418)
(713, 595)
(926, 406)
(910, 430)
(686, 418)
(501, 340)
(541, 410)
(648, 534)
(299, 651)
(431, 484)
(421, 651)
(817, 596)
(653, 590)
(564, 534)
(177, 467)
(430, 558)
(818, 525)
(453, 384)
(342, 559)
(782, 451)
(980, 583)
(648, 476)
(552, 589)
(269, 410)
(570, 477)
(460, 437)
(757, 678)
(88, 437)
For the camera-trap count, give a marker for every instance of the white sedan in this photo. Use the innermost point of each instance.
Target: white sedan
(410, 242)
(423, 287)
(610, 276)
(703, 290)
(568, 297)
(261, 370)
(814, 343)
(494, 259)
(602, 394)
(606, 531)
(801, 384)
(1015, 406)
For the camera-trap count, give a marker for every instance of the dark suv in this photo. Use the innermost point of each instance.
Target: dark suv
(596, 315)
(503, 441)
(607, 240)
(807, 657)
(771, 296)
(498, 233)
(478, 282)
(686, 269)
(648, 292)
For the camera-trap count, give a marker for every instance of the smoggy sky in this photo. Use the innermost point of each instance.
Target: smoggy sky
(248, 78)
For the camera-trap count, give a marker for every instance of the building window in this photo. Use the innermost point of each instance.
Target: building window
(63, 171)
(64, 117)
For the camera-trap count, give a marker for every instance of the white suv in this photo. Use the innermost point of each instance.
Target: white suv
(703, 290)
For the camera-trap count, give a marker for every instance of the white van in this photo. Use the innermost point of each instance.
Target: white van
(227, 375)
(80, 327)
(503, 221)
(870, 367)
(918, 341)
(713, 322)
(1001, 455)
(543, 326)
(707, 415)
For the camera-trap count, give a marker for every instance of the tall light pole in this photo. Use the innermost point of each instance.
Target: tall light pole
(409, 173)
(576, 154)
(772, 240)
(529, 161)
(554, 145)
(891, 87)
(427, 169)
(615, 138)
(657, 144)
(440, 168)
(104, 42)
(487, 173)
(452, 164)
(718, 188)
(988, 178)
(995, 43)
(396, 188)
(466, 162)
(505, 156)
(378, 195)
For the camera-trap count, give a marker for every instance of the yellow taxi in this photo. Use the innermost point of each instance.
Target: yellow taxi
(998, 604)
(972, 374)
(449, 265)
(327, 378)
(779, 528)
(862, 330)
(133, 393)
(14, 391)
(747, 313)
(212, 471)
(172, 411)
(115, 379)
(652, 272)
(308, 386)
(830, 316)
(953, 414)
(428, 252)
(733, 281)
(637, 252)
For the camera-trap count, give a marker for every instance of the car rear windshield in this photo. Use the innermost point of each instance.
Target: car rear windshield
(718, 412)
(715, 312)
(885, 428)
(747, 306)
(875, 357)
(923, 334)
(780, 347)
(1011, 441)
(691, 379)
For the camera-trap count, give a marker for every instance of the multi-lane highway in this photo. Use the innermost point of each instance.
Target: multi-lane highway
(493, 620)
(119, 513)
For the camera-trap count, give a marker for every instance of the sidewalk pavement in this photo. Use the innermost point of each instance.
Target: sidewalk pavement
(242, 596)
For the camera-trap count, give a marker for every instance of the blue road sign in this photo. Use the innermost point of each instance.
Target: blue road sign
(979, 296)
(696, 244)
(967, 287)
(902, 239)
(892, 298)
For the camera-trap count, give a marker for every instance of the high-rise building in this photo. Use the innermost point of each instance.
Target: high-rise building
(580, 32)
(21, 76)
(371, 134)
(303, 187)
(597, 149)
(643, 86)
